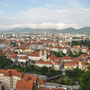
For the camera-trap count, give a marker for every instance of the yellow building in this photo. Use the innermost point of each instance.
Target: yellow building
(83, 65)
(71, 65)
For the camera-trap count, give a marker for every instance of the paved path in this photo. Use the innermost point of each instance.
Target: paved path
(54, 77)
(10, 66)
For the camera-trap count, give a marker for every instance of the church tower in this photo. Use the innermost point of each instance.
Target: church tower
(45, 54)
(40, 54)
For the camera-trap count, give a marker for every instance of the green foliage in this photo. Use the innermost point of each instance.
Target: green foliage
(73, 56)
(39, 70)
(33, 61)
(85, 81)
(88, 68)
(62, 54)
(16, 52)
(4, 62)
(75, 73)
(56, 53)
(82, 42)
(70, 77)
(13, 44)
(63, 80)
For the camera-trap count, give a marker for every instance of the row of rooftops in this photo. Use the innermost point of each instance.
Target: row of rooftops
(26, 81)
(51, 58)
(23, 76)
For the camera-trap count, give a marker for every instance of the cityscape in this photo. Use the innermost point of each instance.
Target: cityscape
(46, 46)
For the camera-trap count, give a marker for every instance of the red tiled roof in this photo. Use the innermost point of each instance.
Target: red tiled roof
(24, 84)
(84, 63)
(44, 62)
(37, 52)
(56, 62)
(71, 63)
(2, 54)
(67, 57)
(41, 81)
(10, 72)
(23, 57)
(13, 72)
(34, 54)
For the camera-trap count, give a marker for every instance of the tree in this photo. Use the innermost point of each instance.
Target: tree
(39, 70)
(51, 72)
(75, 73)
(82, 42)
(4, 62)
(73, 56)
(13, 44)
(57, 54)
(62, 54)
(85, 81)
(44, 70)
(60, 80)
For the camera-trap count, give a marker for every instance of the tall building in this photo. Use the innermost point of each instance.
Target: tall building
(45, 55)
(41, 53)
(12, 79)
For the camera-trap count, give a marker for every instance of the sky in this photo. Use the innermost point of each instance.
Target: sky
(43, 14)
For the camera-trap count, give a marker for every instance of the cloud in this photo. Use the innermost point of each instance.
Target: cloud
(69, 16)
(41, 17)
(40, 26)
(57, 25)
(1, 12)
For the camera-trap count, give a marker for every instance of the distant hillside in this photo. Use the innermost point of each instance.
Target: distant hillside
(18, 30)
(81, 30)
(85, 29)
(67, 30)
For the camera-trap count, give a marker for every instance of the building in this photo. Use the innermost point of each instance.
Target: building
(66, 58)
(71, 65)
(83, 65)
(39, 54)
(41, 63)
(25, 85)
(23, 59)
(13, 79)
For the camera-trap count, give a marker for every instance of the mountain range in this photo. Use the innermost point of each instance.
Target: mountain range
(67, 30)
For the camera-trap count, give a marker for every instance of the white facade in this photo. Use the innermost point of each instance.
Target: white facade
(40, 56)
(35, 58)
(42, 65)
(14, 60)
(9, 81)
(23, 60)
(66, 60)
(57, 67)
(64, 51)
